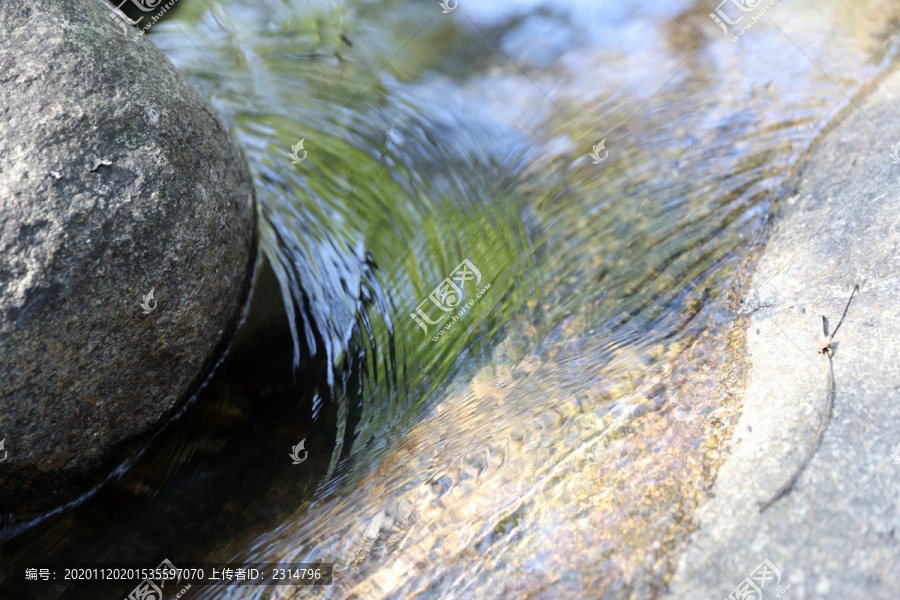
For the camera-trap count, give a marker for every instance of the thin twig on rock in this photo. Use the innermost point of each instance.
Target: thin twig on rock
(827, 351)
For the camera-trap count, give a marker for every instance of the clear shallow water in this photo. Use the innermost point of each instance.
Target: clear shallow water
(554, 439)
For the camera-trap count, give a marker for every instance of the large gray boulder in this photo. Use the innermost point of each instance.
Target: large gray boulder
(116, 179)
(836, 534)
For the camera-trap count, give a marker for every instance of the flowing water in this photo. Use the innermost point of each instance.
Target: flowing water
(553, 440)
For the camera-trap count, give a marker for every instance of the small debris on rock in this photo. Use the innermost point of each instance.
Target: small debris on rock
(100, 163)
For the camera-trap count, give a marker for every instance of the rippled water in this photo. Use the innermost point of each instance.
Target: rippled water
(555, 439)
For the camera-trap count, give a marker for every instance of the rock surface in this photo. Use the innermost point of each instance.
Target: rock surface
(116, 179)
(837, 533)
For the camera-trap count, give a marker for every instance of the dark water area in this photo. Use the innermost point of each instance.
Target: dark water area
(466, 466)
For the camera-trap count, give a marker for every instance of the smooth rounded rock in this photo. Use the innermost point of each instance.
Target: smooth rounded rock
(117, 180)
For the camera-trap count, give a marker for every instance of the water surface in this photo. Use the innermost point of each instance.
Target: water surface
(555, 439)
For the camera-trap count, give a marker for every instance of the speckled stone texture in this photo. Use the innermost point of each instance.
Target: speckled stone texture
(837, 533)
(115, 178)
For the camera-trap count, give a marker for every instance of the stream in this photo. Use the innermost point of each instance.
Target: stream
(553, 439)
